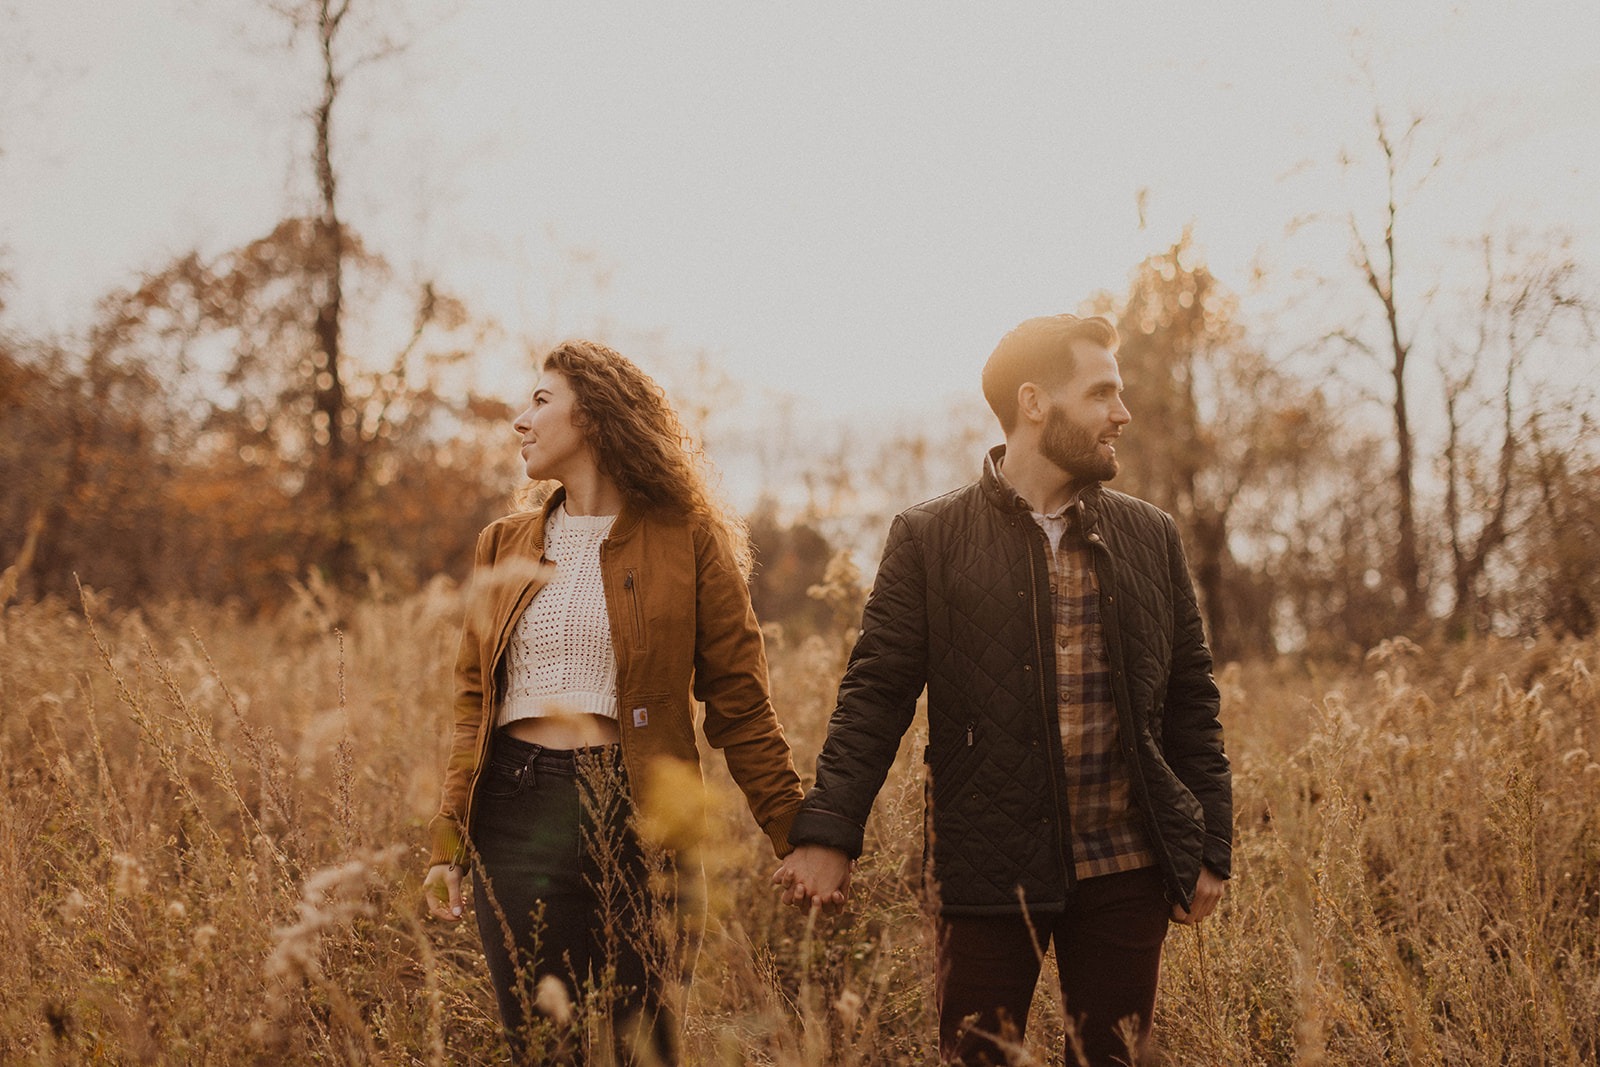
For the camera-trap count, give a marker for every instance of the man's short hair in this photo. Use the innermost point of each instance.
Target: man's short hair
(1038, 350)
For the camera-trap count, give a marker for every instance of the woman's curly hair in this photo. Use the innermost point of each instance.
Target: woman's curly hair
(640, 443)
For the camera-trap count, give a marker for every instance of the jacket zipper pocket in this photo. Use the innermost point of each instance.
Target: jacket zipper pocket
(631, 587)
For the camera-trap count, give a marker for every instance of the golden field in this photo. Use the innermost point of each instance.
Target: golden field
(211, 843)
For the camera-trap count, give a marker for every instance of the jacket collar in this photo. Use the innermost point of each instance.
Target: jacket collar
(999, 492)
(627, 519)
(1002, 495)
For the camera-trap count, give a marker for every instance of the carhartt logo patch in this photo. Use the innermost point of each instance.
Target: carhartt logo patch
(641, 716)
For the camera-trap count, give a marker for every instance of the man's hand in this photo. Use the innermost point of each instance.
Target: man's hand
(1207, 894)
(442, 890)
(814, 876)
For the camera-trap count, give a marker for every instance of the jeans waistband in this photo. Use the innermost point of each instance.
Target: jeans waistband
(561, 761)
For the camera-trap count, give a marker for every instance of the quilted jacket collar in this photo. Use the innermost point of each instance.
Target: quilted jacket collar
(1000, 493)
(996, 489)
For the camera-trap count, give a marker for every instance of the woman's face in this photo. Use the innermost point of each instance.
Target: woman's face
(553, 446)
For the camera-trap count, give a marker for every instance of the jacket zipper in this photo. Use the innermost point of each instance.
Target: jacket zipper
(1063, 849)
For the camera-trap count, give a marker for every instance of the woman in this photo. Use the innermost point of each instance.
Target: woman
(593, 623)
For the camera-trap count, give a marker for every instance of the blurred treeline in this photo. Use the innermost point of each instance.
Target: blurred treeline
(195, 443)
(232, 424)
(1316, 514)
(201, 441)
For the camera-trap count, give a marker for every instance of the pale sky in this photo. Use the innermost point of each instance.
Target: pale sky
(847, 203)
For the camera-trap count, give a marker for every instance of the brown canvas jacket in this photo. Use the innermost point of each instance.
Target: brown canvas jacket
(683, 630)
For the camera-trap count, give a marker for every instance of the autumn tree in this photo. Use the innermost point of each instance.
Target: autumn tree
(345, 36)
(86, 440)
(170, 450)
(261, 447)
(1213, 420)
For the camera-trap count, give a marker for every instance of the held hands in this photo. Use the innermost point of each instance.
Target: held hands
(442, 890)
(1207, 894)
(814, 876)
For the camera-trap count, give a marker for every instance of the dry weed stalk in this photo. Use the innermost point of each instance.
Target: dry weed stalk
(331, 902)
(1417, 865)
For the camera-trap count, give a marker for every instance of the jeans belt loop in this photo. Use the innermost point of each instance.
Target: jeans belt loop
(528, 776)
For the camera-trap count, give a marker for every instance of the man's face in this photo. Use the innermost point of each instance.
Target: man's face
(1086, 416)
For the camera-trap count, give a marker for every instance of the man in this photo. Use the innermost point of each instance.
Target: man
(1078, 790)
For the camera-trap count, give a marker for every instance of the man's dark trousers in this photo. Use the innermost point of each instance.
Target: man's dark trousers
(1108, 952)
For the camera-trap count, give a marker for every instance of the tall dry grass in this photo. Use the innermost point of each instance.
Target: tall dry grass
(211, 843)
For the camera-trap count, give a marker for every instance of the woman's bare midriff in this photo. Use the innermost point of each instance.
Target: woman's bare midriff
(565, 731)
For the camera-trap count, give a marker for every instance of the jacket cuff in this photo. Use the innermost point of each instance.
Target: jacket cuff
(1218, 855)
(778, 831)
(446, 842)
(815, 827)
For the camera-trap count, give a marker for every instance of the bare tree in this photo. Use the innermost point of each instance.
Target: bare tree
(347, 35)
(1378, 263)
(1529, 294)
(1560, 590)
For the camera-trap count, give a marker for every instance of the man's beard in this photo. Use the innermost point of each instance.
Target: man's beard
(1074, 449)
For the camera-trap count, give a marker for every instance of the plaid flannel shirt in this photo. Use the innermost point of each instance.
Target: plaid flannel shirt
(1107, 834)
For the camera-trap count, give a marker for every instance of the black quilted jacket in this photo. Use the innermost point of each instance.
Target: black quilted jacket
(961, 606)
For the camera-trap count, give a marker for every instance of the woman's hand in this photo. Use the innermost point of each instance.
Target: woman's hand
(442, 889)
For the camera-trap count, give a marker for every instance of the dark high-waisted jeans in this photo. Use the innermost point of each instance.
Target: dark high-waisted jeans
(564, 889)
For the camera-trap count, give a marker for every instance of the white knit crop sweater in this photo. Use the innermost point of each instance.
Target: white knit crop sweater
(560, 660)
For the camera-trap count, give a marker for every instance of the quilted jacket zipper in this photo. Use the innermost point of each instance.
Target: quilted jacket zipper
(1063, 848)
